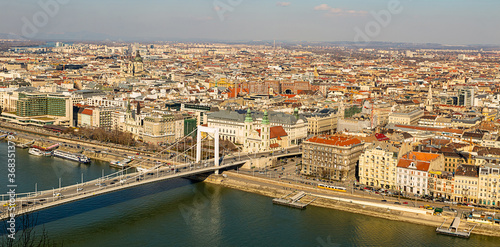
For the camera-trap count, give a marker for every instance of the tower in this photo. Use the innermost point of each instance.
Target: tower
(248, 128)
(428, 102)
(265, 132)
(341, 110)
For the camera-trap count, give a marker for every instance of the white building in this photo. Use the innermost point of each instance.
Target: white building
(413, 171)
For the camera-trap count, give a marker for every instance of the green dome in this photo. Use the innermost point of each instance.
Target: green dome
(248, 117)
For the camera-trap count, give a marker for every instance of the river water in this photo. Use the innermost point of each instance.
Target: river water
(186, 213)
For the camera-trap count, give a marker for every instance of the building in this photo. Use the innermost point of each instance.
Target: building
(408, 117)
(466, 97)
(441, 185)
(489, 185)
(453, 159)
(266, 138)
(231, 124)
(413, 171)
(377, 164)
(41, 109)
(332, 157)
(94, 117)
(466, 184)
(322, 122)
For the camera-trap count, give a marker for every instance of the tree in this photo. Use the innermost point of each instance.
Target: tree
(27, 234)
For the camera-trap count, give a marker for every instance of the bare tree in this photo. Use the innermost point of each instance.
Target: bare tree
(27, 235)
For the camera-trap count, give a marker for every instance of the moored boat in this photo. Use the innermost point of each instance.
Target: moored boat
(35, 151)
(71, 156)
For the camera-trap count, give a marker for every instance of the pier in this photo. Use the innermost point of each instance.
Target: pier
(293, 201)
(453, 229)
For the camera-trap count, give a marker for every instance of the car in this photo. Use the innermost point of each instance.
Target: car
(79, 189)
(397, 203)
(405, 202)
(384, 200)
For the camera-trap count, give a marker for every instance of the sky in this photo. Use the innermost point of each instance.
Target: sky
(453, 22)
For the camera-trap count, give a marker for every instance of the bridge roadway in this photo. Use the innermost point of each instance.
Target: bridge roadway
(41, 200)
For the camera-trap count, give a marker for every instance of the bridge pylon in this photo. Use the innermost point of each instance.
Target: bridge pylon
(214, 131)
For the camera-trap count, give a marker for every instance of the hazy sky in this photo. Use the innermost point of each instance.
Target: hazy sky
(437, 21)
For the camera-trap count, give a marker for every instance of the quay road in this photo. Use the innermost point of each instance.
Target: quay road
(32, 202)
(93, 146)
(288, 177)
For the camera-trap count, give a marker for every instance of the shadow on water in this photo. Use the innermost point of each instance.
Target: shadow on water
(93, 203)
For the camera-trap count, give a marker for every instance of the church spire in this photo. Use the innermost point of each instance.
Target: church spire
(265, 119)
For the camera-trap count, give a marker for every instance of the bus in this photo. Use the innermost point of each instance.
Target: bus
(331, 187)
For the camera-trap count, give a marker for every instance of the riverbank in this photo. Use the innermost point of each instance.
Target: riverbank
(276, 189)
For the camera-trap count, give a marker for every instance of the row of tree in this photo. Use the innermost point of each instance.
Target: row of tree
(100, 134)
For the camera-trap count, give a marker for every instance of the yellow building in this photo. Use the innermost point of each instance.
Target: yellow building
(377, 165)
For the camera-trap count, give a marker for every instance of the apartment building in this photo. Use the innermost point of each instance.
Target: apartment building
(441, 184)
(466, 184)
(331, 157)
(489, 185)
(407, 117)
(377, 164)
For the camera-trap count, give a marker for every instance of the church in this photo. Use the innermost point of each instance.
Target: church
(264, 137)
(134, 66)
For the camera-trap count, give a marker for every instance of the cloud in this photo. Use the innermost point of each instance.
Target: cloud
(322, 7)
(338, 11)
(283, 4)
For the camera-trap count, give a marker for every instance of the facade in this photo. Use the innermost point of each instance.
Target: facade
(323, 122)
(466, 184)
(441, 185)
(40, 109)
(453, 159)
(466, 97)
(231, 124)
(332, 157)
(413, 171)
(489, 185)
(408, 117)
(377, 165)
(266, 138)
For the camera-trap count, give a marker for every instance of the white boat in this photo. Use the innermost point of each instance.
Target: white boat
(71, 156)
(35, 151)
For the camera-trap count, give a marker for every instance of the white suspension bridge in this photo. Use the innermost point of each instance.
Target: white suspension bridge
(179, 164)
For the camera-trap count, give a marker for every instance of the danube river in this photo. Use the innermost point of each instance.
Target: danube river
(185, 213)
